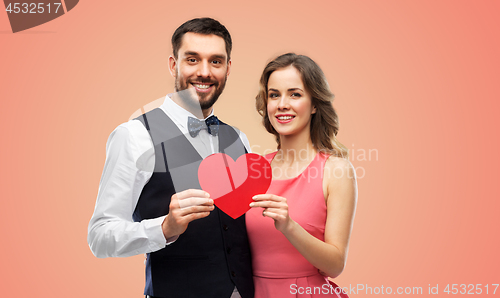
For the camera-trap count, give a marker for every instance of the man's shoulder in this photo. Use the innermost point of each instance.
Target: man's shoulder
(152, 116)
(229, 129)
(130, 133)
(237, 134)
(132, 127)
(229, 126)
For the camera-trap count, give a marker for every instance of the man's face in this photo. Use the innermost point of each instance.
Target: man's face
(202, 66)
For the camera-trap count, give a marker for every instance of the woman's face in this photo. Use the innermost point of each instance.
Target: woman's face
(289, 105)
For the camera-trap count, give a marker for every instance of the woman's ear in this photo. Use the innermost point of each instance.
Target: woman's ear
(313, 110)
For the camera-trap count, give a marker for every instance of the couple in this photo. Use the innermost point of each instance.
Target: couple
(150, 201)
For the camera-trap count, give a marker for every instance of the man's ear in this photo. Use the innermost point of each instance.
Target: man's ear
(172, 64)
(228, 67)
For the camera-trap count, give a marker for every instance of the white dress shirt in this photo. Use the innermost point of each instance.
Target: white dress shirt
(112, 232)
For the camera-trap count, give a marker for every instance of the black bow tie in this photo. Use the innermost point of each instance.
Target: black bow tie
(211, 124)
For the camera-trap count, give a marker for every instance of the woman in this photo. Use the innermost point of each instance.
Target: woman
(299, 231)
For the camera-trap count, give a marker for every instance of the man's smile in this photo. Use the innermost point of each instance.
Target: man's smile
(203, 87)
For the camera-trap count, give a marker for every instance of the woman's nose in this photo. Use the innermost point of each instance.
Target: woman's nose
(283, 103)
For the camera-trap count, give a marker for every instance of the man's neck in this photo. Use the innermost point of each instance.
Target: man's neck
(195, 110)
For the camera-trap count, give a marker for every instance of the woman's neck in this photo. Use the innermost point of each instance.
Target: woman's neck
(296, 149)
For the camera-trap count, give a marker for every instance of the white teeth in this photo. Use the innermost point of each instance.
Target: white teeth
(285, 117)
(201, 86)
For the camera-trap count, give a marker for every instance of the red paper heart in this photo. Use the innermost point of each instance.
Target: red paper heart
(233, 184)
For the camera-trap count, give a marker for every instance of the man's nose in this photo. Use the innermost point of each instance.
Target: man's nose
(204, 69)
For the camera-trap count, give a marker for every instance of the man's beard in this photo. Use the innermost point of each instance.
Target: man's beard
(201, 100)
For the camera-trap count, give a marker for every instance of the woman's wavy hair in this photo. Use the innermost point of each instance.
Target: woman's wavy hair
(325, 122)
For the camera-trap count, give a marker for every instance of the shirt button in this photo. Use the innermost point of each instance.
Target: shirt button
(228, 250)
(225, 227)
(233, 274)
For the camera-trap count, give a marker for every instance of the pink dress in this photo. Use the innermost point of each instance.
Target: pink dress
(279, 269)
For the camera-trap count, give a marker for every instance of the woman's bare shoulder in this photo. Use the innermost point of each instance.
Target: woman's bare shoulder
(339, 168)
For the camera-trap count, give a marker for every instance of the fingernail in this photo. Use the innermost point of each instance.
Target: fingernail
(207, 195)
(251, 204)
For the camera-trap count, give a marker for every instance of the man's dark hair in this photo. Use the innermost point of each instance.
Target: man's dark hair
(202, 26)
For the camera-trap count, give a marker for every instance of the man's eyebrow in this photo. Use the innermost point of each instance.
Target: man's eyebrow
(222, 57)
(216, 56)
(189, 53)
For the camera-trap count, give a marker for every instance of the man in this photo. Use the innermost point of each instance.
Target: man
(149, 198)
